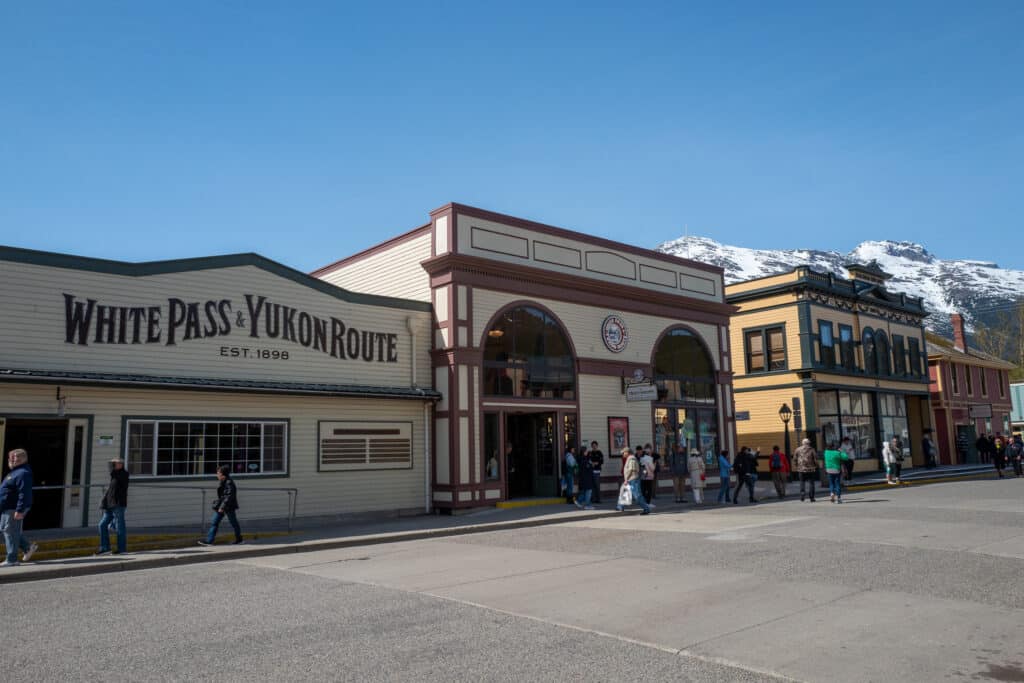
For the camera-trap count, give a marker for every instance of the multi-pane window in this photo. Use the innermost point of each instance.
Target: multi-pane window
(527, 355)
(826, 344)
(955, 380)
(175, 448)
(848, 356)
(765, 349)
(969, 379)
(899, 356)
(868, 344)
(915, 357)
(882, 353)
(984, 382)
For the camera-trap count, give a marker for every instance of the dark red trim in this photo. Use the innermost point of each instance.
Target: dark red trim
(533, 282)
(578, 236)
(383, 246)
(610, 368)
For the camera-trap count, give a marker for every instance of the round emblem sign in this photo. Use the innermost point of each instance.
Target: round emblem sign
(614, 334)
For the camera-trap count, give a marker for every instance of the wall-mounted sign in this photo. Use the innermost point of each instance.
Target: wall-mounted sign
(90, 322)
(742, 415)
(984, 410)
(614, 334)
(641, 391)
(105, 439)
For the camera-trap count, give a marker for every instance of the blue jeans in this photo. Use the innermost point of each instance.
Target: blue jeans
(583, 497)
(638, 497)
(13, 539)
(215, 522)
(115, 515)
(723, 489)
(835, 485)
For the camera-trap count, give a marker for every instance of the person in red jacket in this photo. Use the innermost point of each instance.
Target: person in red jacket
(778, 464)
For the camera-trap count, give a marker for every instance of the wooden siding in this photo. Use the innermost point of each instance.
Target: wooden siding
(35, 327)
(512, 244)
(757, 319)
(394, 271)
(320, 493)
(583, 325)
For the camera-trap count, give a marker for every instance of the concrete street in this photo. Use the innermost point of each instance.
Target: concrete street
(919, 584)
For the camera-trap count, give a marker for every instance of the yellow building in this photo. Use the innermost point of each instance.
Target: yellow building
(833, 358)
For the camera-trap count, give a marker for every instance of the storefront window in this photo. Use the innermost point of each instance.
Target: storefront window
(892, 414)
(683, 370)
(528, 356)
(847, 414)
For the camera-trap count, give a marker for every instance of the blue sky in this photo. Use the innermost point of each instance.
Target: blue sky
(308, 131)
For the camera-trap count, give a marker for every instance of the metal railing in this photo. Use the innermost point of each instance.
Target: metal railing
(292, 503)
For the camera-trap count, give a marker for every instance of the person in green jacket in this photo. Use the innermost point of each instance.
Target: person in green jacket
(834, 468)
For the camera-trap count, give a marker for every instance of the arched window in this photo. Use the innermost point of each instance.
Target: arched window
(682, 368)
(882, 353)
(527, 355)
(868, 343)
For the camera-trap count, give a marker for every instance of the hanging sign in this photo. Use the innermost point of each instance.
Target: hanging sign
(641, 391)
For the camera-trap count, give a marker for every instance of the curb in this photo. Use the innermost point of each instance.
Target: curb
(44, 572)
(918, 482)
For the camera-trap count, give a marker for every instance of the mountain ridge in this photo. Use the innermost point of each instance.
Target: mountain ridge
(979, 290)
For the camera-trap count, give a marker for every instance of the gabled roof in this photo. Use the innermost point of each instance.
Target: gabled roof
(940, 346)
(148, 268)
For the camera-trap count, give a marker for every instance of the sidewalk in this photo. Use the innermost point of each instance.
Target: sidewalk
(320, 534)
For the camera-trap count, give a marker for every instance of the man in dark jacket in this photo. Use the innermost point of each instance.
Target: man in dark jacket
(15, 501)
(745, 467)
(596, 462)
(225, 505)
(113, 504)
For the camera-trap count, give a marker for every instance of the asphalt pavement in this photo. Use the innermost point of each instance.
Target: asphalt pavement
(914, 584)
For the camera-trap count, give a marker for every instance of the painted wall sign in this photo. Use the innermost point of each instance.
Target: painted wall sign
(742, 415)
(982, 410)
(614, 334)
(90, 322)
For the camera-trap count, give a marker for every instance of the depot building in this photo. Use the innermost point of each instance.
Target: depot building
(446, 368)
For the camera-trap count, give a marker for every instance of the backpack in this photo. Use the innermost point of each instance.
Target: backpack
(776, 460)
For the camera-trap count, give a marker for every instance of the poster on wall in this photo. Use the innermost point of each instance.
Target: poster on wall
(618, 434)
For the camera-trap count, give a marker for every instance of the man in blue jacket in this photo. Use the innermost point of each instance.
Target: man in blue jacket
(15, 501)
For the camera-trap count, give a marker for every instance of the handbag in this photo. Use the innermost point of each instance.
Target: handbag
(625, 495)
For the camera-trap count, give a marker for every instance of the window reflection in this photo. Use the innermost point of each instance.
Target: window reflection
(527, 356)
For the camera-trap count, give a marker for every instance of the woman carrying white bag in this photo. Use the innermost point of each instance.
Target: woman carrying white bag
(630, 494)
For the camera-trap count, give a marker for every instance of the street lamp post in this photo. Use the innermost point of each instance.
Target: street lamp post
(785, 414)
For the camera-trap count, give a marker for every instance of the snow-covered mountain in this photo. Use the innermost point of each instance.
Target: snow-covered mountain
(977, 289)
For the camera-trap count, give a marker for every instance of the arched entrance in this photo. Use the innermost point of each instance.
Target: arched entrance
(529, 400)
(686, 412)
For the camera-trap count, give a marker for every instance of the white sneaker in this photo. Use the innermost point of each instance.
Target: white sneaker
(8, 563)
(30, 552)
(651, 505)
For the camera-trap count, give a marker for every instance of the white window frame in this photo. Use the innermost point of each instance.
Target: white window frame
(156, 422)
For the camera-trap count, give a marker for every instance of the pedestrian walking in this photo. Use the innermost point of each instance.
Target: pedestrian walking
(724, 471)
(982, 445)
(586, 486)
(930, 459)
(889, 460)
(15, 502)
(1015, 451)
(745, 467)
(113, 504)
(697, 475)
(778, 464)
(648, 470)
(569, 468)
(805, 462)
(680, 472)
(999, 450)
(834, 458)
(846, 446)
(596, 463)
(630, 493)
(225, 505)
